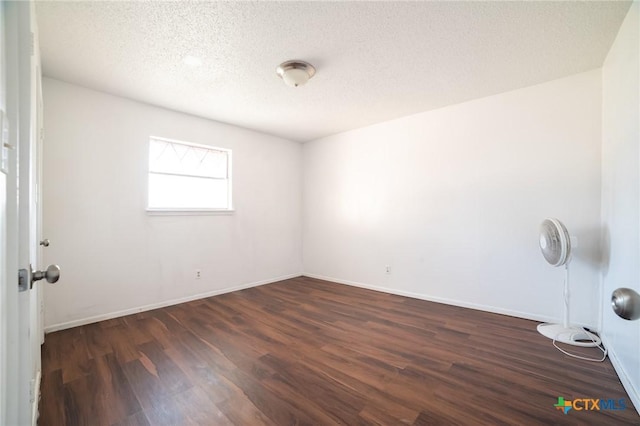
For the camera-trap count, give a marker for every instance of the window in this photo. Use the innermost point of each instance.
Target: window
(188, 177)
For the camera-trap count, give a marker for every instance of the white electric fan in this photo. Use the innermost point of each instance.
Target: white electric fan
(555, 244)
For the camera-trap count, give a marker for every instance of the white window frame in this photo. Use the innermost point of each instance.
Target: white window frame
(193, 211)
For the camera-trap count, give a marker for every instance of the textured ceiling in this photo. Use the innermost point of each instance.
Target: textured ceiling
(375, 61)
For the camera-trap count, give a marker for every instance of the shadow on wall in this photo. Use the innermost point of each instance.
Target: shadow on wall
(590, 248)
(605, 250)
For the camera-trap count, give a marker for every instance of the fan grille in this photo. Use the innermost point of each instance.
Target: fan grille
(555, 242)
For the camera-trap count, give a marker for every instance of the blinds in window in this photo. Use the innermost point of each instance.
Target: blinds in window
(173, 158)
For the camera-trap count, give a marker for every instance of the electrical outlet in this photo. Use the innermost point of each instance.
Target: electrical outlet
(198, 274)
(387, 269)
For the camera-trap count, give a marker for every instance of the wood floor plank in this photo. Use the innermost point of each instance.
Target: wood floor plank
(75, 358)
(121, 341)
(138, 419)
(53, 412)
(241, 411)
(376, 415)
(307, 351)
(97, 341)
(294, 385)
(113, 398)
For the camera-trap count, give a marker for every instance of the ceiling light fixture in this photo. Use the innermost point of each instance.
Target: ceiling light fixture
(192, 61)
(295, 73)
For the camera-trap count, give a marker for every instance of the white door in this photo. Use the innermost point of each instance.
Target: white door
(29, 206)
(4, 264)
(20, 304)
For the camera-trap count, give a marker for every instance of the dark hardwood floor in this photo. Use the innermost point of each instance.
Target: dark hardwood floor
(305, 351)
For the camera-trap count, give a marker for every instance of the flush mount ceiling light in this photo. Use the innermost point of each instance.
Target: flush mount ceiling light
(295, 73)
(192, 61)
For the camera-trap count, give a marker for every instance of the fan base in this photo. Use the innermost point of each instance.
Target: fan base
(570, 335)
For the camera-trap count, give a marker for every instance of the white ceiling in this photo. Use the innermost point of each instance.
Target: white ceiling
(375, 61)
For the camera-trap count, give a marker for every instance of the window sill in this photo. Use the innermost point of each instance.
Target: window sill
(189, 212)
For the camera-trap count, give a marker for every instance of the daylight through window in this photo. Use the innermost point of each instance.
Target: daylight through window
(184, 176)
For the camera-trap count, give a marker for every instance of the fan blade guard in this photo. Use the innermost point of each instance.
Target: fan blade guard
(555, 242)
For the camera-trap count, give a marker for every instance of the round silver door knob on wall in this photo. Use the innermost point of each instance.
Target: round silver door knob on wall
(626, 303)
(26, 279)
(52, 274)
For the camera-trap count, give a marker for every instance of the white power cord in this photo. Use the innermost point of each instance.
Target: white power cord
(578, 331)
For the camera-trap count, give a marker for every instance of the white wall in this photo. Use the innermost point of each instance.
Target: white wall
(452, 200)
(620, 195)
(114, 256)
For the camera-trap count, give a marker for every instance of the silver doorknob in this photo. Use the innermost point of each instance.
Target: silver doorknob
(626, 303)
(45, 242)
(52, 274)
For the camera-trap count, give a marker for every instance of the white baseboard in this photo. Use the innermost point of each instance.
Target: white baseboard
(460, 303)
(102, 317)
(627, 383)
